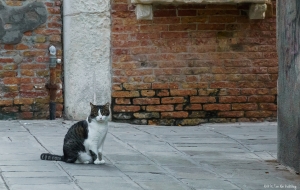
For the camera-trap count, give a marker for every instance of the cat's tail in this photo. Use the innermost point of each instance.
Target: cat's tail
(47, 156)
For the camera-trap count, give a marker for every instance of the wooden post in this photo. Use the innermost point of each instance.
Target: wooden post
(288, 47)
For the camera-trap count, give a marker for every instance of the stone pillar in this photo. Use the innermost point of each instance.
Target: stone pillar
(288, 45)
(87, 70)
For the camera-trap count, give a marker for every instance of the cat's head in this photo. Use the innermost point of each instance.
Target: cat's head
(100, 112)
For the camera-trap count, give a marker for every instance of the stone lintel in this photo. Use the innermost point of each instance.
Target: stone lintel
(144, 7)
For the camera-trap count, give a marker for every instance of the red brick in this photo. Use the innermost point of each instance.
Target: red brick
(21, 47)
(172, 100)
(261, 98)
(179, 114)
(126, 108)
(9, 47)
(219, 107)
(32, 66)
(268, 106)
(211, 26)
(26, 101)
(245, 106)
(194, 19)
(160, 85)
(4, 74)
(188, 12)
(182, 27)
(202, 99)
(231, 114)
(27, 72)
(222, 19)
(258, 113)
(13, 109)
(125, 94)
(26, 87)
(168, 35)
(191, 78)
(34, 53)
(36, 94)
(195, 85)
(183, 92)
(163, 93)
(11, 80)
(146, 101)
(135, 72)
(160, 108)
(6, 102)
(193, 107)
(27, 115)
(25, 80)
(167, 71)
(232, 99)
(122, 101)
(6, 60)
(129, 86)
(223, 85)
(164, 13)
(148, 93)
(55, 38)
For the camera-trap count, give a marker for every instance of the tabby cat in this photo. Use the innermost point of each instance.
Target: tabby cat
(84, 141)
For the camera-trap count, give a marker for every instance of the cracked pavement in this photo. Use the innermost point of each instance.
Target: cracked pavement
(210, 156)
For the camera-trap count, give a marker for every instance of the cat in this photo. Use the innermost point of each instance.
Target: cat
(84, 141)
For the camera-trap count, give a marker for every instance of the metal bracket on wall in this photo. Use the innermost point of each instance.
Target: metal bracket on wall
(144, 10)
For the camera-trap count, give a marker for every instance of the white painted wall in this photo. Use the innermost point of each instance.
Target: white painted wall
(87, 69)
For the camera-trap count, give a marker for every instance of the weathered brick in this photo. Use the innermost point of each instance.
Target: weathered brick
(12, 109)
(118, 108)
(193, 107)
(146, 115)
(220, 107)
(231, 114)
(129, 86)
(183, 92)
(202, 99)
(258, 113)
(162, 93)
(268, 106)
(172, 100)
(160, 108)
(7, 102)
(146, 101)
(148, 93)
(11, 80)
(195, 85)
(125, 94)
(122, 101)
(191, 122)
(261, 98)
(244, 106)
(232, 99)
(27, 115)
(179, 114)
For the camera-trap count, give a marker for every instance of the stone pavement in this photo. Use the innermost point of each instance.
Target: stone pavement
(209, 156)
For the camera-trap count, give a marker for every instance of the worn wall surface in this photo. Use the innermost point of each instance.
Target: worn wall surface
(87, 76)
(193, 64)
(288, 37)
(27, 29)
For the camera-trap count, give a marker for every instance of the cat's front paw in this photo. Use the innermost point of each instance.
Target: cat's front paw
(99, 162)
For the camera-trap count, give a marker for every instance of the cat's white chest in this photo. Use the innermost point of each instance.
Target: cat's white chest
(96, 135)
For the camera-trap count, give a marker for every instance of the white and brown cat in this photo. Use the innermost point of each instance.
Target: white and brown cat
(84, 141)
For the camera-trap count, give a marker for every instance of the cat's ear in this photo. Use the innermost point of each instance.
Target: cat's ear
(91, 104)
(107, 104)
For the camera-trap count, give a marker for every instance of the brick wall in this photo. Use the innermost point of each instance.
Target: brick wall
(24, 69)
(193, 64)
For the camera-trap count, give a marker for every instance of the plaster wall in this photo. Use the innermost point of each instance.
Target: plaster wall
(87, 76)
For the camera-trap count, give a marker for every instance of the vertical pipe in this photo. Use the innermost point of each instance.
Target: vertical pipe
(52, 84)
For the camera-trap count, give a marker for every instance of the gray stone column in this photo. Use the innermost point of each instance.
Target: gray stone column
(288, 45)
(87, 70)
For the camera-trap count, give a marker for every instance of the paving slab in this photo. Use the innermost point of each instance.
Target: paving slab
(209, 156)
